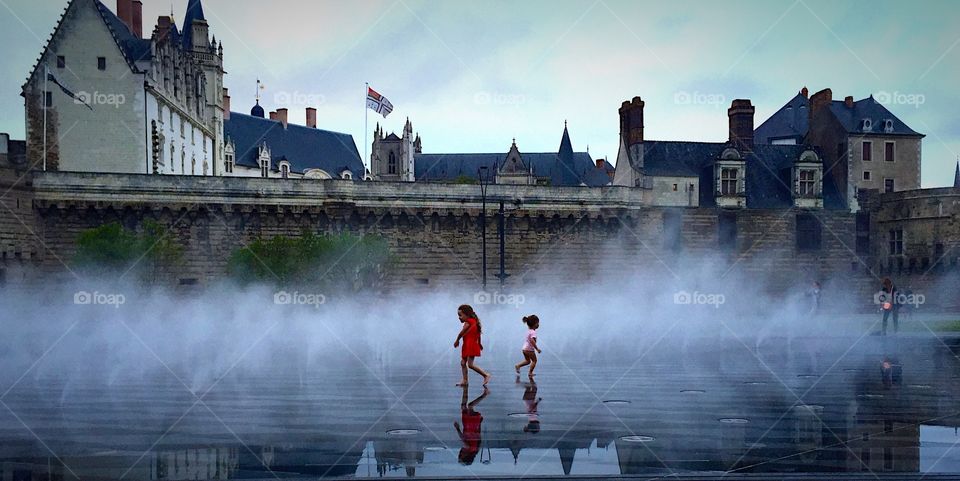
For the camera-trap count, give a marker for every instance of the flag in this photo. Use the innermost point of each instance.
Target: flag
(76, 98)
(378, 103)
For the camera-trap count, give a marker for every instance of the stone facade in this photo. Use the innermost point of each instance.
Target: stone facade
(20, 249)
(554, 236)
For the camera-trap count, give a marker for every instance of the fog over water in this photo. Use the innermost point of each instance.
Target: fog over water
(225, 329)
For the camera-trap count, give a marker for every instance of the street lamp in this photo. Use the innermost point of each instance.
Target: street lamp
(482, 174)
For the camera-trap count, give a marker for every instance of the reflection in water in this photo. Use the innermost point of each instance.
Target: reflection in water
(472, 420)
(845, 419)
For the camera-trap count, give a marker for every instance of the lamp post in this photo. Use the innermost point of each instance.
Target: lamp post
(482, 174)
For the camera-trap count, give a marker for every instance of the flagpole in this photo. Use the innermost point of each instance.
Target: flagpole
(43, 101)
(366, 114)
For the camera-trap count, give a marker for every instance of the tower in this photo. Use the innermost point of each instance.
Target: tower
(392, 157)
(208, 56)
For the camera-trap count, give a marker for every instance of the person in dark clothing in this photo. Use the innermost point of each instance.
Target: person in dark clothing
(889, 305)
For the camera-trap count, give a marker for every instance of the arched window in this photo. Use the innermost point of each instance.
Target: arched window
(392, 164)
(285, 170)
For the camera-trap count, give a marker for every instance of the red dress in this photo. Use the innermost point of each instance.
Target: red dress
(471, 339)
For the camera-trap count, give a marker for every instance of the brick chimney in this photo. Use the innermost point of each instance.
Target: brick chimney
(226, 104)
(599, 163)
(282, 116)
(631, 121)
(740, 116)
(848, 101)
(273, 115)
(818, 101)
(311, 117)
(805, 92)
(136, 18)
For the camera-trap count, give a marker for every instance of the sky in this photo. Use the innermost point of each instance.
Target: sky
(472, 76)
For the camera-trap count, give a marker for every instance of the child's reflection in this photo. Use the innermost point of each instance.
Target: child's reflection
(470, 434)
(532, 402)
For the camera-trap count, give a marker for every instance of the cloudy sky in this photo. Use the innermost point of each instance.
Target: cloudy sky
(473, 75)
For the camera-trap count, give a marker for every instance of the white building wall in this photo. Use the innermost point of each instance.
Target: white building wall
(110, 137)
(189, 145)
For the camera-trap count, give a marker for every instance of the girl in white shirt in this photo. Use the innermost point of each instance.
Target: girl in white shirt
(530, 348)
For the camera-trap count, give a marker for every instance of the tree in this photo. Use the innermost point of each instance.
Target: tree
(113, 250)
(327, 262)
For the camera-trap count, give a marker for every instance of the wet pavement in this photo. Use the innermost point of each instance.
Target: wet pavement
(831, 406)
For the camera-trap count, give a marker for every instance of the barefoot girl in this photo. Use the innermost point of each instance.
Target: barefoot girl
(471, 343)
(530, 348)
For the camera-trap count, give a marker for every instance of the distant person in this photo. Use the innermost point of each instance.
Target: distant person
(532, 402)
(889, 305)
(471, 344)
(815, 298)
(529, 348)
(472, 421)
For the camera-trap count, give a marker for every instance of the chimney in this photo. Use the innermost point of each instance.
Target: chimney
(740, 115)
(282, 117)
(311, 117)
(848, 101)
(599, 163)
(136, 18)
(804, 92)
(125, 12)
(818, 101)
(631, 121)
(273, 116)
(226, 104)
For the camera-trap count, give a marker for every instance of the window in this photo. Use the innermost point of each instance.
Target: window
(888, 125)
(102, 63)
(808, 183)
(896, 242)
(809, 231)
(61, 61)
(841, 151)
(727, 230)
(728, 181)
(228, 163)
(674, 187)
(866, 175)
(867, 125)
(888, 185)
(285, 171)
(889, 151)
(392, 164)
(867, 154)
(48, 99)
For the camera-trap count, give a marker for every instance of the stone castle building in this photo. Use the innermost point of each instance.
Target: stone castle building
(113, 101)
(864, 146)
(396, 158)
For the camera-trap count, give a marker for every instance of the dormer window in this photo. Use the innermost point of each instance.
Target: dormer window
(807, 181)
(867, 125)
(264, 161)
(888, 126)
(285, 169)
(729, 179)
(228, 159)
(347, 175)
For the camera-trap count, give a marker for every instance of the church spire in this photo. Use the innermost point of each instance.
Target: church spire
(956, 177)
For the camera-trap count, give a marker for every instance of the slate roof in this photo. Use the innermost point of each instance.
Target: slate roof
(194, 12)
(792, 120)
(134, 49)
(769, 176)
(447, 167)
(304, 147)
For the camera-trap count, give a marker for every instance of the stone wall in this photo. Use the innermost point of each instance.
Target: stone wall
(929, 220)
(19, 247)
(553, 235)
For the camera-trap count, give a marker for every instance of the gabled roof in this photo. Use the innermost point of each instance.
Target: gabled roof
(447, 167)
(852, 117)
(133, 49)
(304, 147)
(792, 120)
(768, 171)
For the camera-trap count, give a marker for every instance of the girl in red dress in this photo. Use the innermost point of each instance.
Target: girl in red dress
(471, 343)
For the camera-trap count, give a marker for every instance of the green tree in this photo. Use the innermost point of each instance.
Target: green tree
(111, 249)
(329, 262)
